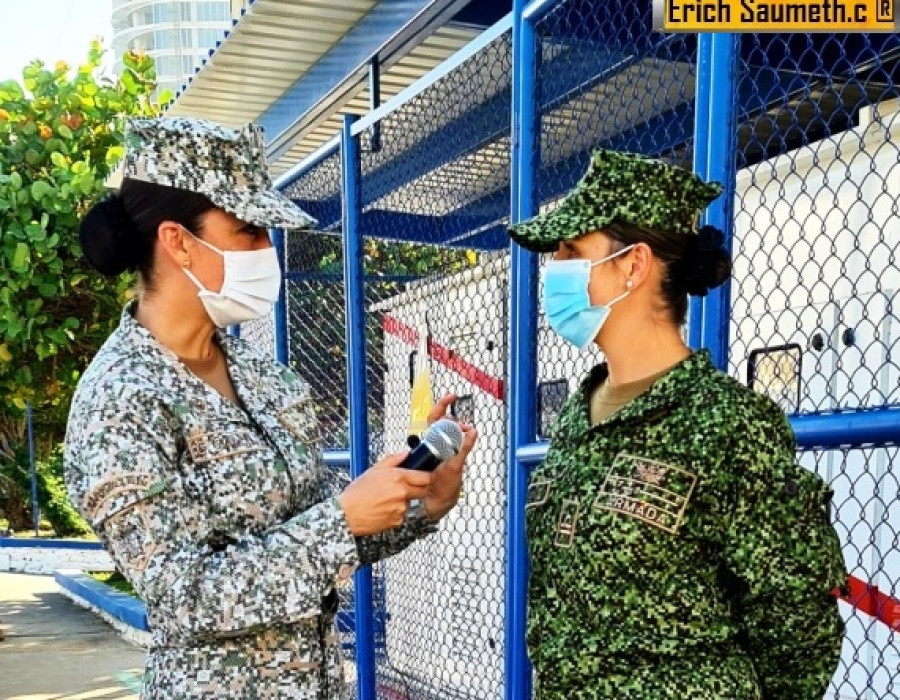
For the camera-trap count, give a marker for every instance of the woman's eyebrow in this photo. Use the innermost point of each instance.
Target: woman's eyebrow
(249, 228)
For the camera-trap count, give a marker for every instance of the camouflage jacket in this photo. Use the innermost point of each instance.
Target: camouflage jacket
(678, 551)
(225, 520)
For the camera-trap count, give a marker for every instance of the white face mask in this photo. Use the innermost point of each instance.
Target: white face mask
(249, 287)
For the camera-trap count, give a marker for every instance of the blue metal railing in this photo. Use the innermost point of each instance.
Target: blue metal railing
(719, 85)
(522, 369)
(358, 399)
(281, 310)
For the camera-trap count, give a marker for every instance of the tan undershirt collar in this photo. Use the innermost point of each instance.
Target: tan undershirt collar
(607, 400)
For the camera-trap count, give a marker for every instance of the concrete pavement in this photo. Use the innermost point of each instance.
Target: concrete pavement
(55, 650)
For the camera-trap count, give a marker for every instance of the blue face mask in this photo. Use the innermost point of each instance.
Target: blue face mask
(566, 301)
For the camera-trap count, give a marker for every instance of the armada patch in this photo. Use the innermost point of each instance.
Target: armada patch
(652, 492)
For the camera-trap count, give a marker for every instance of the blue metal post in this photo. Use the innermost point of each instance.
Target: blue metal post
(356, 374)
(522, 370)
(701, 141)
(281, 311)
(720, 166)
(35, 506)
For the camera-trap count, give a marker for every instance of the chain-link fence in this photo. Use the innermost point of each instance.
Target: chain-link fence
(434, 202)
(816, 276)
(812, 323)
(314, 291)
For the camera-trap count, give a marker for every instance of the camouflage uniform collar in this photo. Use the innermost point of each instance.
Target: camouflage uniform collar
(141, 341)
(684, 378)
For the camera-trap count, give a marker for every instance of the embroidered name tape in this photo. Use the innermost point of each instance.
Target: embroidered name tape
(652, 492)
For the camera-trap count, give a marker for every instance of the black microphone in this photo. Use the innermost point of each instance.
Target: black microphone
(442, 441)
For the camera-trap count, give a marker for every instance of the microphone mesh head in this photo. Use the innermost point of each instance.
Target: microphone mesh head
(445, 438)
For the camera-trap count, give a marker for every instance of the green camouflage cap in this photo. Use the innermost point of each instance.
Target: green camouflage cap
(628, 187)
(227, 166)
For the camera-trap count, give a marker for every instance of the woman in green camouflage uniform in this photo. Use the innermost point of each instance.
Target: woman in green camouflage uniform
(678, 552)
(196, 458)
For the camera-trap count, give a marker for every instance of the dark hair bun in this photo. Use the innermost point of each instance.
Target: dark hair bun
(106, 239)
(705, 263)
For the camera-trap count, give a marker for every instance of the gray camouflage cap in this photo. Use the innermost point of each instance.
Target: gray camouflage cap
(627, 187)
(227, 166)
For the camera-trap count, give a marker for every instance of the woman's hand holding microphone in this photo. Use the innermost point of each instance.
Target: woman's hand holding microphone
(377, 500)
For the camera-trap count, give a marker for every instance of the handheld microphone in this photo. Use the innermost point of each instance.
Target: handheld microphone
(442, 441)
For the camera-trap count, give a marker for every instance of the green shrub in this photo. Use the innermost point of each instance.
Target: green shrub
(51, 491)
(115, 580)
(54, 499)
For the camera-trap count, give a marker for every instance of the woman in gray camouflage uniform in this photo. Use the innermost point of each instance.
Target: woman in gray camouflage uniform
(196, 459)
(678, 552)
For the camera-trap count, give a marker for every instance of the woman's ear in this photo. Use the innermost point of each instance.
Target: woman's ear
(174, 243)
(637, 264)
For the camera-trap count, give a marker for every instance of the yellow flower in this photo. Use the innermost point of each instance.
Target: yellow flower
(45, 131)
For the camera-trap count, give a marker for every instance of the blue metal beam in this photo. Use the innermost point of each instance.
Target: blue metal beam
(702, 127)
(336, 458)
(522, 367)
(848, 428)
(311, 276)
(720, 167)
(281, 310)
(357, 394)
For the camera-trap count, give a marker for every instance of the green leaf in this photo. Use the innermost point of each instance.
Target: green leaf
(15, 181)
(129, 82)
(40, 189)
(11, 90)
(36, 233)
(21, 259)
(59, 160)
(114, 154)
(64, 131)
(88, 183)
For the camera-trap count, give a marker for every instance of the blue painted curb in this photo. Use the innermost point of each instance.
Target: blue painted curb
(40, 543)
(122, 606)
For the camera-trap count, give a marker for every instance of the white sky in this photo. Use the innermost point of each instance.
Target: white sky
(50, 30)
